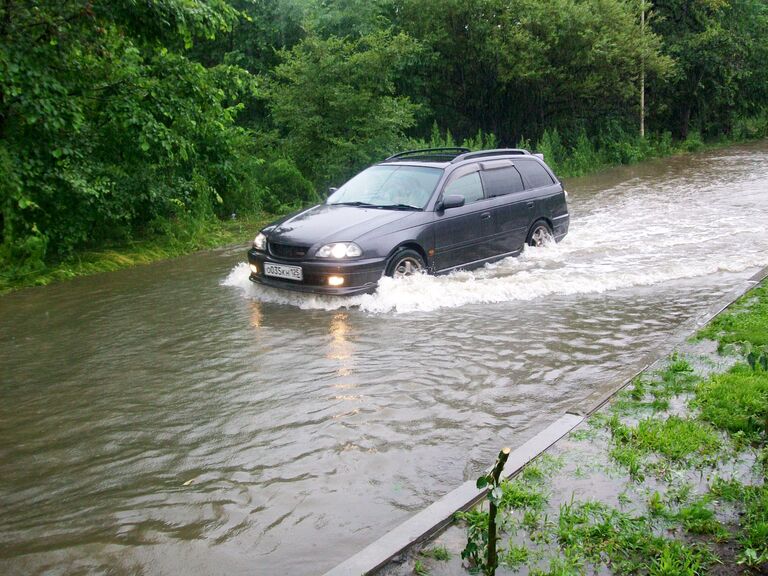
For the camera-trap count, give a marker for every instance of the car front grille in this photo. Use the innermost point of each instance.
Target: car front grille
(288, 251)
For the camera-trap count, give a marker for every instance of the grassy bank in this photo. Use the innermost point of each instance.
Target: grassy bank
(177, 239)
(579, 155)
(575, 153)
(668, 479)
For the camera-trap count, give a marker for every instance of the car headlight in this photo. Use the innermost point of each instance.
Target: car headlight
(339, 250)
(260, 242)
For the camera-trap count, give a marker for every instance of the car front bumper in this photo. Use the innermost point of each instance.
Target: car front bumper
(360, 276)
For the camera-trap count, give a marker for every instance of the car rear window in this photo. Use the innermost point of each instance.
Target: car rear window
(534, 173)
(501, 181)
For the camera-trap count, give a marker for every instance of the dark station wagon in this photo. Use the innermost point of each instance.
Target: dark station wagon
(433, 210)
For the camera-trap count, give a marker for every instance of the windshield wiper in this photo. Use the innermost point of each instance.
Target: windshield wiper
(401, 207)
(355, 204)
(386, 206)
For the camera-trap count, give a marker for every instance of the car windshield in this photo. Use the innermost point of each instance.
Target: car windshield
(389, 187)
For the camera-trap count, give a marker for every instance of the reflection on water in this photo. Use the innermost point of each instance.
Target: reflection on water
(256, 314)
(340, 351)
(156, 421)
(340, 348)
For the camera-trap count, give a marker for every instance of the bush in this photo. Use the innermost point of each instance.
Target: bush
(583, 158)
(662, 144)
(551, 146)
(283, 187)
(693, 142)
(751, 126)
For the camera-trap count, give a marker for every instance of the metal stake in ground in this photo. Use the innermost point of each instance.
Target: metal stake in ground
(491, 481)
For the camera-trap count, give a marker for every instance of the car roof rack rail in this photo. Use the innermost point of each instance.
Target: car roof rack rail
(440, 154)
(496, 152)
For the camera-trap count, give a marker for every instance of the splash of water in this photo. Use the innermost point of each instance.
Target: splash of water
(626, 236)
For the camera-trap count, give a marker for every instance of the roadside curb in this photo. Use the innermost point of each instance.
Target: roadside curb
(438, 515)
(683, 333)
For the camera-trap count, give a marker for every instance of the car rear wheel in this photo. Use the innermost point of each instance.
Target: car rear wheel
(540, 235)
(405, 263)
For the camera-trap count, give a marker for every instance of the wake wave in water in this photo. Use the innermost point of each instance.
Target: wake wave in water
(623, 237)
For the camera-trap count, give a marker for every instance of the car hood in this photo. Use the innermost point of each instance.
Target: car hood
(332, 223)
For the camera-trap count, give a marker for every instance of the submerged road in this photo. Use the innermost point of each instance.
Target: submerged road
(175, 419)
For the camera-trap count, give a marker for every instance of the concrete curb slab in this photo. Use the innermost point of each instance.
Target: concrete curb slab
(439, 514)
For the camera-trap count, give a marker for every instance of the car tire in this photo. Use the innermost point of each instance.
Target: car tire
(405, 263)
(540, 235)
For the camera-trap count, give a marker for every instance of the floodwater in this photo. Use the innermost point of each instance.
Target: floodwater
(175, 419)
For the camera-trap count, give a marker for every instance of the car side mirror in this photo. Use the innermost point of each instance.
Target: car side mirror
(331, 190)
(451, 201)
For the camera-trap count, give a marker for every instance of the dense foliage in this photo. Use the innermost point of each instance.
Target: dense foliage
(122, 118)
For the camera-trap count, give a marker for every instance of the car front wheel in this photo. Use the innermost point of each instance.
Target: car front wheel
(405, 263)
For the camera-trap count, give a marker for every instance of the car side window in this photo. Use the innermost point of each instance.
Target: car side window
(468, 186)
(534, 173)
(501, 181)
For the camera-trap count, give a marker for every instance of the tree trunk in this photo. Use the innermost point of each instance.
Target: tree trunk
(685, 119)
(642, 71)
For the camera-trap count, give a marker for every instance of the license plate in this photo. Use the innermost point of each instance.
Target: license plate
(283, 271)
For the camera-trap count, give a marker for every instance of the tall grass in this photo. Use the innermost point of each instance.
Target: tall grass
(168, 239)
(439, 138)
(585, 155)
(578, 153)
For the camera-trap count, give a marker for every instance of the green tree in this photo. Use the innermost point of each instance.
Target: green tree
(334, 102)
(720, 50)
(349, 18)
(106, 125)
(518, 68)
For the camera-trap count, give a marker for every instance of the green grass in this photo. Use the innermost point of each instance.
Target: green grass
(515, 556)
(440, 553)
(476, 521)
(654, 393)
(561, 566)
(630, 459)
(736, 401)
(677, 365)
(677, 559)
(582, 155)
(177, 241)
(728, 490)
(626, 543)
(754, 521)
(698, 517)
(755, 524)
(520, 494)
(744, 321)
(676, 438)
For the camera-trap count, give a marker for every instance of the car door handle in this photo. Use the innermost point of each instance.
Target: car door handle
(529, 204)
(485, 215)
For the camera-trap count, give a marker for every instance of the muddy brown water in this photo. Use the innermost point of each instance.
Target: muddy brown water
(173, 418)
